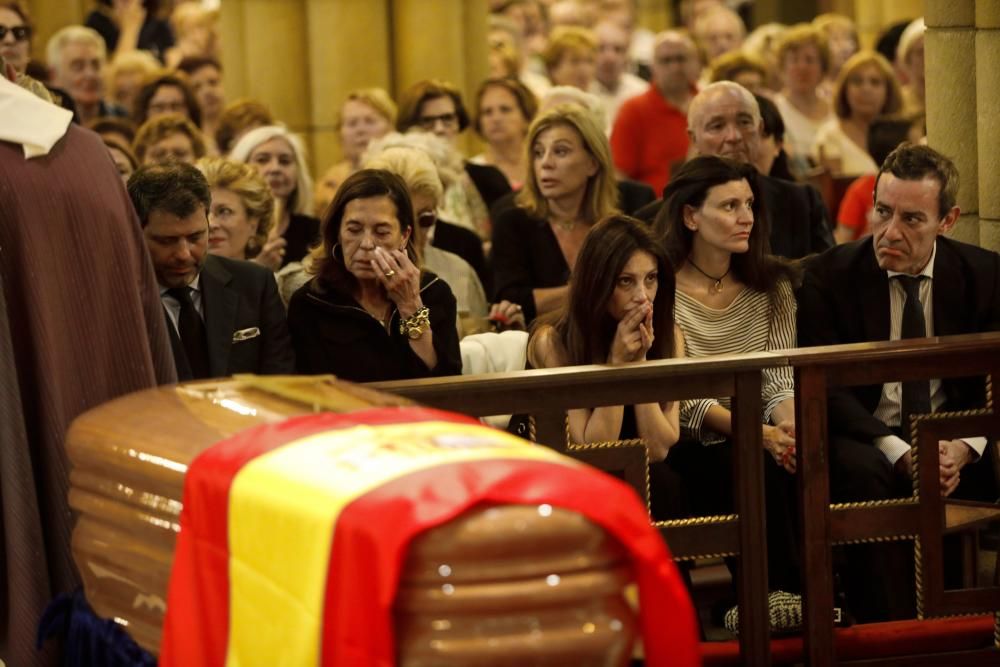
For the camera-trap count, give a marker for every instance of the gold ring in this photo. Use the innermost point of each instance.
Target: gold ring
(390, 273)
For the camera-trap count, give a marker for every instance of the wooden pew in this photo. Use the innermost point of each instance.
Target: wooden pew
(548, 394)
(925, 516)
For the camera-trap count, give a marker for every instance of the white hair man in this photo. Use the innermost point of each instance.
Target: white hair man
(77, 57)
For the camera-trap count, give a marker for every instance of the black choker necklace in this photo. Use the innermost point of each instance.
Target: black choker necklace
(716, 286)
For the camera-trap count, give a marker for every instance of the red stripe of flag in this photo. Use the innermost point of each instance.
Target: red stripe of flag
(196, 627)
(372, 534)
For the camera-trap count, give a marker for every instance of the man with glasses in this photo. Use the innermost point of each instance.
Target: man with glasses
(650, 132)
(905, 281)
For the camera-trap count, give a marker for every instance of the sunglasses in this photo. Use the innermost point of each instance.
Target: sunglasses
(21, 32)
(426, 219)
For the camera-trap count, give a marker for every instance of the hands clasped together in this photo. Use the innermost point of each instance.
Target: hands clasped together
(779, 440)
(634, 335)
(953, 455)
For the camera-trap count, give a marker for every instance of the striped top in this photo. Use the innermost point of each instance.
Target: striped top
(753, 322)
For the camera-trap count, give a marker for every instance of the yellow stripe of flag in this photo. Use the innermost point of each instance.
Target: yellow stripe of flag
(283, 507)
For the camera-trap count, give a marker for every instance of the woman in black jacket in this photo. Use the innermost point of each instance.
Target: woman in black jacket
(370, 313)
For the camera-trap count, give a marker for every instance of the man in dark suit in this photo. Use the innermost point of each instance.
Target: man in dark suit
(224, 315)
(724, 120)
(907, 280)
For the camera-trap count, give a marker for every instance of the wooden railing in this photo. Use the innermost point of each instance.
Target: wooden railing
(547, 394)
(816, 371)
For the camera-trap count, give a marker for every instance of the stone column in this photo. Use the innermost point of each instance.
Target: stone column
(349, 47)
(265, 56)
(48, 16)
(440, 39)
(988, 120)
(950, 71)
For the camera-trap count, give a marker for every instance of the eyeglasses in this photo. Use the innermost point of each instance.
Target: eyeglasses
(446, 119)
(21, 32)
(167, 107)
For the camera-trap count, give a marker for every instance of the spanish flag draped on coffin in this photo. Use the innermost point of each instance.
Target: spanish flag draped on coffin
(293, 535)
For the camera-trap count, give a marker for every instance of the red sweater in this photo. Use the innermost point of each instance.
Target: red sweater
(648, 137)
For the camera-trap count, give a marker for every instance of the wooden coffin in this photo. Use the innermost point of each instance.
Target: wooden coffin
(129, 457)
(540, 585)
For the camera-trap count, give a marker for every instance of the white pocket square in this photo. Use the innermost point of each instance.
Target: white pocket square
(245, 334)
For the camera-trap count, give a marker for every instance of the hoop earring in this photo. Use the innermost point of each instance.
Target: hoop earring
(333, 252)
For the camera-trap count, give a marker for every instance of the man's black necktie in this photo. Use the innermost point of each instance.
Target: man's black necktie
(916, 399)
(192, 333)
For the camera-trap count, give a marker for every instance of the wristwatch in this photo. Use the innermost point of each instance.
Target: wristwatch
(414, 326)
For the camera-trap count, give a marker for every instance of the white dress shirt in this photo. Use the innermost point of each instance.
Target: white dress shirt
(889, 406)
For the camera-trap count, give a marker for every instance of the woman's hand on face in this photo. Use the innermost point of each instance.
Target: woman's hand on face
(633, 337)
(506, 315)
(780, 444)
(401, 279)
(272, 253)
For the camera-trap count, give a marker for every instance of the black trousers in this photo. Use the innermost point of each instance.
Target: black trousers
(878, 578)
(697, 480)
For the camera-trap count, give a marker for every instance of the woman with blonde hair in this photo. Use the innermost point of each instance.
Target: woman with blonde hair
(571, 57)
(241, 217)
(367, 113)
(570, 185)
(279, 156)
(126, 74)
(842, 37)
(866, 88)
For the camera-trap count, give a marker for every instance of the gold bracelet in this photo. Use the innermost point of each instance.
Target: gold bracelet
(414, 326)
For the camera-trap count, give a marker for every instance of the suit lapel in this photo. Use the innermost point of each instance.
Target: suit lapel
(874, 293)
(947, 293)
(221, 302)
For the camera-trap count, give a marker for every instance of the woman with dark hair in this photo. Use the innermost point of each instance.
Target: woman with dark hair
(504, 110)
(620, 310)
(370, 313)
(772, 160)
(15, 42)
(436, 106)
(733, 297)
(167, 94)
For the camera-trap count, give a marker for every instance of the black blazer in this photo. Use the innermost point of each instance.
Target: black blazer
(239, 300)
(844, 298)
(489, 181)
(466, 244)
(795, 216)
(332, 333)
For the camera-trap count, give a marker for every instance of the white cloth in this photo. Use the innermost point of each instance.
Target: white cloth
(628, 86)
(494, 353)
(29, 120)
(800, 134)
(889, 405)
(835, 145)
